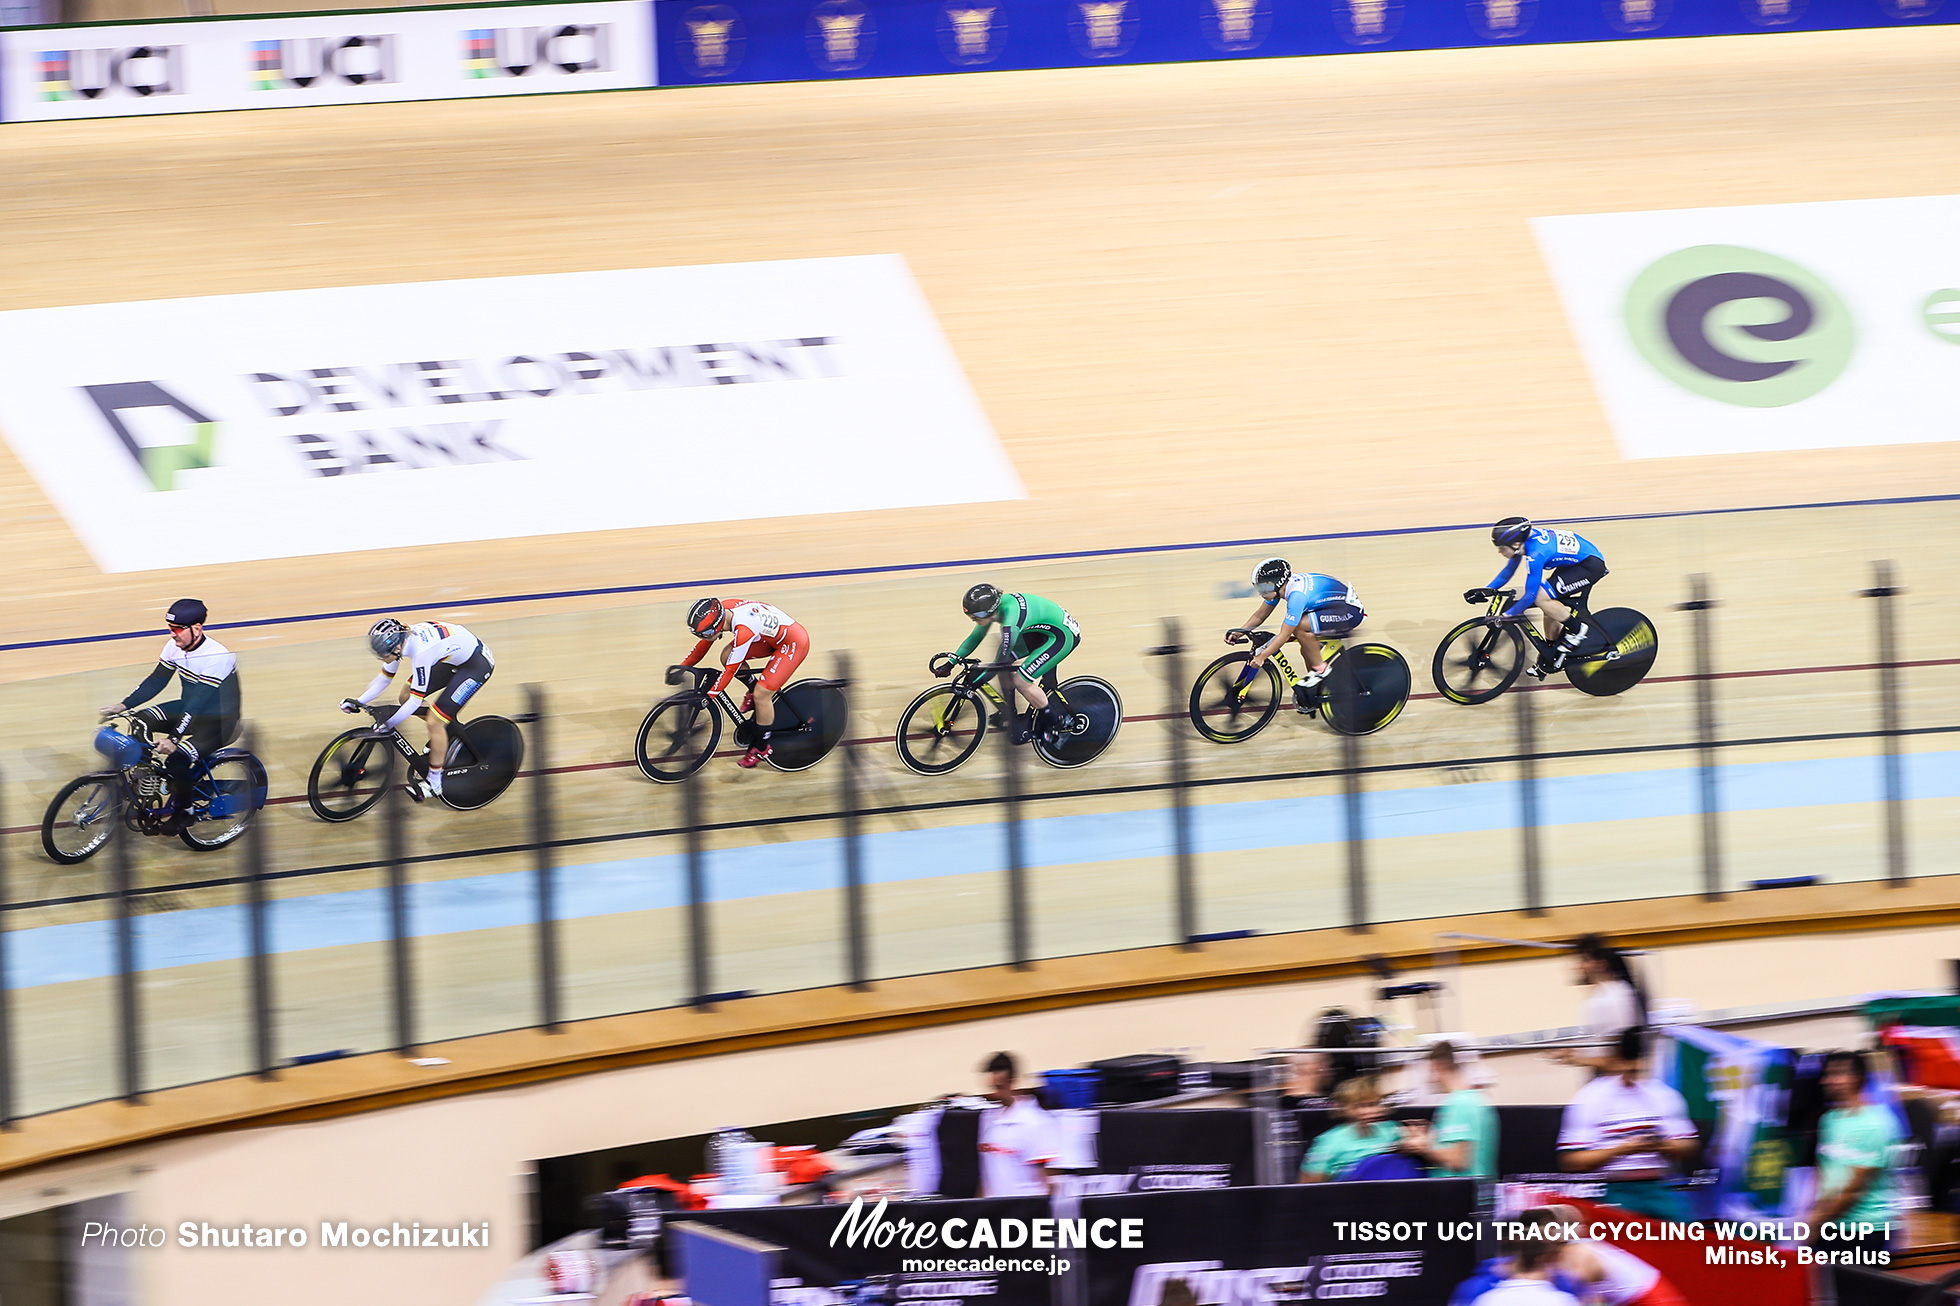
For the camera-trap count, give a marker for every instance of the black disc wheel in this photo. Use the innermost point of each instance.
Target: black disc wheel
(350, 776)
(82, 817)
(1478, 661)
(820, 706)
(940, 729)
(223, 802)
(1366, 688)
(1228, 708)
(1616, 655)
(482, 763)
(677, 738)
(1096, 714)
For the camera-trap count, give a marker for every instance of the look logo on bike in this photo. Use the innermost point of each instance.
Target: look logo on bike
(444, 660)
(204, 716)
(760, 631)
(1560, 570)
(1316, 606)
(1037, 631)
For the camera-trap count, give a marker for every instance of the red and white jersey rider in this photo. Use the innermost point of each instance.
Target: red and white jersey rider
(758, 630)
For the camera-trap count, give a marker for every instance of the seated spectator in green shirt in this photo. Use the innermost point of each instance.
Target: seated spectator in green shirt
(1367, 1132)
(1461, 1143)
(1854, 1156)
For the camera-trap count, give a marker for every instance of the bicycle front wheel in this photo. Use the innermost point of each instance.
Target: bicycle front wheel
(82, 817)
(223, 803)
(1226, 714)
(481, 764)
(941, 729)
(677, 738)
(350, 776)
(1478, 661)
(1367, 687)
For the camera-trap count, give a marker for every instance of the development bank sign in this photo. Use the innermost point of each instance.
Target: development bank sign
(184, 432)
(1771, 327)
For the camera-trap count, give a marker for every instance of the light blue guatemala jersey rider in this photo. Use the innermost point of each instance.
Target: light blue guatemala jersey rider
(1317, 607)
(1322, 604)
(1555, 563)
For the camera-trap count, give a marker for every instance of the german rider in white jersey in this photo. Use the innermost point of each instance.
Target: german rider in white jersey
(444, 660)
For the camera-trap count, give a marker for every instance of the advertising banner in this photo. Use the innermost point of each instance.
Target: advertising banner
(118, 70)
(182, 432)
(1407, 1243)
(1766, 327)
(965, 1253)
(1145, 1151)
(800, 40)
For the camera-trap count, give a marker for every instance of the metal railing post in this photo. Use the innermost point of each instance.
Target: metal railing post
(699, 953)
(1354, 815)
(857, 959)
(128, 1017)
(1184, 869)
(547, 870)
(1018, 946)
(400, 973)
(1534, 875)
(264, 1052)
(1710, 775)
(1893, 772)
(6, 991)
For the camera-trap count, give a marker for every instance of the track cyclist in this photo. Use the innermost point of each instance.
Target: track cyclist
(1316, 605)
(1561, 568)
(204, 716)
(1037, 631)
(760, 631)
(444, 660)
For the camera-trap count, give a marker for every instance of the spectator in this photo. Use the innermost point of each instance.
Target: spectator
(1630, 1131)
(1462, 1142)
(1529, 1268)
(1615, 1002)
(1367, 1132)
(1018, 1140)
(1855, 1139)
(1311, 1082)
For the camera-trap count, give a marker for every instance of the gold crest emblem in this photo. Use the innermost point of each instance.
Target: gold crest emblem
(1103, 29)
(1637, 15)
(1367, 22)
(1236, 25)
(714, 39)
(1500, 20)
(842, 35)
(971, 31)
(1909, 9)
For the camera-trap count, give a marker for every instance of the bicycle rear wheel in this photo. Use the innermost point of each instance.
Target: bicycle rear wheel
(1366, 688)
(223, 801)
(350, 775)
(1616, 656)
(940, 729)
(482, 763)
(820, 706)
(82, 817)
(1096, 699)
(1478, 661)
(677, 738)
(1225, 714)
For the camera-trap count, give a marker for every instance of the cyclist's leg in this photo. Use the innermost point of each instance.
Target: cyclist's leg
(442, 706)
(1336, 621)
(1038, 670)
(789, 655)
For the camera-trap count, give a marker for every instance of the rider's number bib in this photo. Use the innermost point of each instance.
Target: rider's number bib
(768, 624)
(1073, 629)
(1567, 541)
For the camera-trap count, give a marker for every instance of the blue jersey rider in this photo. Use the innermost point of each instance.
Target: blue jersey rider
(1560, 570)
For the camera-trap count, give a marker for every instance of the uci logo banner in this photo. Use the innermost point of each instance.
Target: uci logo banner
(1768, 327)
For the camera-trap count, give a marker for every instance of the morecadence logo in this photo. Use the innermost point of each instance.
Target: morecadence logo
(1739, 325)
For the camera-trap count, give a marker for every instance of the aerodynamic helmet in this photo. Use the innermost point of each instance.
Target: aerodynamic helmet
(983, 600)
(1270, 576)
(386, 637)
(1512, 530)
(704, 618)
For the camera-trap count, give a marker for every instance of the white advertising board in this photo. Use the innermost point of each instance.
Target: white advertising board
(1767, 327)
(183, 432)
(263, 63)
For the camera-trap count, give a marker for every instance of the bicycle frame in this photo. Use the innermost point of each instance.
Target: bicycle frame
(1331, 646)
(704, 676)
(970, 670)
(1527, 626)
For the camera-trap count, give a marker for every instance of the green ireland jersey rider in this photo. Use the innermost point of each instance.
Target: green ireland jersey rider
(1036, 631)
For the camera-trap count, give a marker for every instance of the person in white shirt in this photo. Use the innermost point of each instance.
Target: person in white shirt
(1630, 1131)
(1018, 1140)
(444, 660)
(1613, 1003)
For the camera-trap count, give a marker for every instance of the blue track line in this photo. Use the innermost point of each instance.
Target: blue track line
(901, 567)
(54, 954)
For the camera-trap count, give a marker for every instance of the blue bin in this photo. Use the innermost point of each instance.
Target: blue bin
(1073, 1088)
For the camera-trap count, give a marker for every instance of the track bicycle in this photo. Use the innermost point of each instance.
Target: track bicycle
(354, 771)
(1484, 656)
(225, 790)
(680, 733)
(1366, 687)
(943, 727)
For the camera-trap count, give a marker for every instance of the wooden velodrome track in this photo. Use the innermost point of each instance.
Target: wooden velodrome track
(1199, 303)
